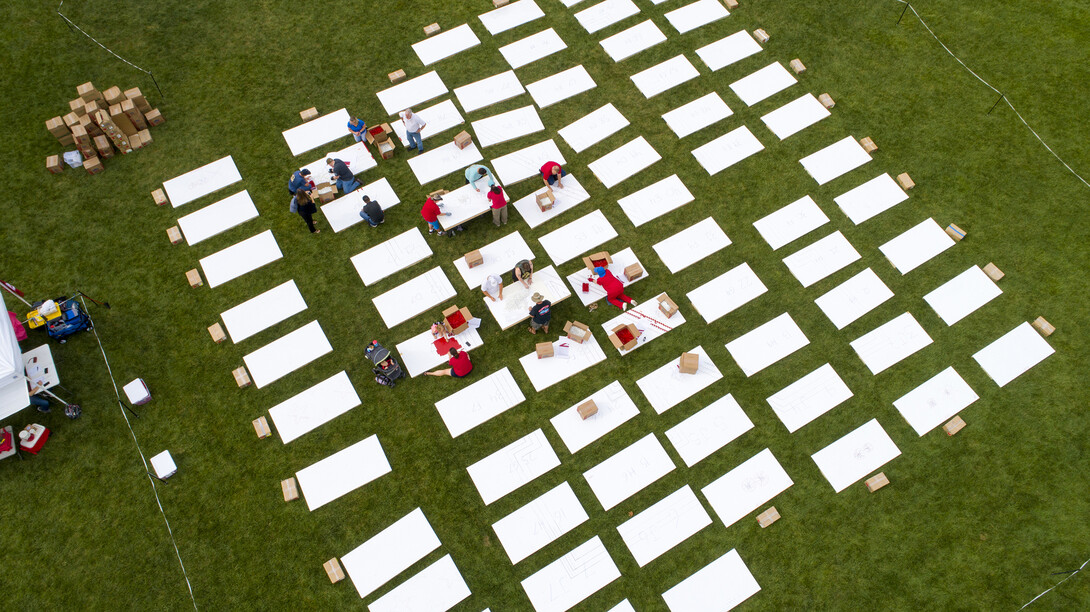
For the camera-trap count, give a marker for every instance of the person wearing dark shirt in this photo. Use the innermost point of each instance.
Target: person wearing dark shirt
(304, 205)
(300, 178)
(460, 366)
(523, 273)
(372, 212)
(540, 314)
(346, 181)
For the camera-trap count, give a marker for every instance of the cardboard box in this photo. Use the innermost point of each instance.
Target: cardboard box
(463, 140)
(544, 349)
(474, 258)
(432, 29)
(80, 135)
(66, 140)
(826, 101)
(91, 126)
(993, 272)
(129, 108)
(1043, 327)
(242, 377)
(953, 426)
(666, 305)
(160, 197)
(216, 331)
(145, 136)
(877, 482)
(633, 272)
(102, 145)
(797, 66)
(71, 119)
(955, 232)
(310, 113)
(290, 489)
(868, 144)
(326, 193)
(194, 278)
(546, 200)
(93, 165)
(587, 409)
(333, 570)
(378, 133)
(113, 95)
(768, 517)
(87, 152)
(386, 149)
(905, 181)
(121, 120)
(499, 3)
(92, 107)
(456, 320)
(76, 106)
(136, 141)
(761, 36)
(261, 426)
(396, 75)
(53, 164)
(174, 235)
(624, 337)
(594, 260)
(154, 117)
(138, 99)
(689, 363)
(577, 332)
(87, 92)
(57, 127)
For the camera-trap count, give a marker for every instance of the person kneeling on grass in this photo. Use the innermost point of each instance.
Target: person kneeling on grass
(540, 314)
(614, 289)
(346, 181)
(372, 212)
(460, 366)
(551, 173)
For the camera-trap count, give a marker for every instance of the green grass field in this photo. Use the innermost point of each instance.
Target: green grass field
(978, 521)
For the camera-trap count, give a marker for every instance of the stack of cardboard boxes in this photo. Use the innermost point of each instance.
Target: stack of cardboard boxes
(102, 122)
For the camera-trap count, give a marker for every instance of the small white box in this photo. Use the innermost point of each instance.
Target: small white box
(137, 392)
(163, 464)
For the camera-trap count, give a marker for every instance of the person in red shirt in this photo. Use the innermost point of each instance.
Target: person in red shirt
(431, 214)
(460, 366)
(499, 205)
(614, 289)
(551, 173)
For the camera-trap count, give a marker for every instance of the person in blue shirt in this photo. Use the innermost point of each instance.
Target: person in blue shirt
(300, 178)
(477, 172)
(357, 127)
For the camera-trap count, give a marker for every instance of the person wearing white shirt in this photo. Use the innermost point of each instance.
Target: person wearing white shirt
(413, 126)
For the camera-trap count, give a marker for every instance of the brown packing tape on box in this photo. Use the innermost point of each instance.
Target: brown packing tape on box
(113, 95)
(290, 489)
(121, 120)
(154, 117)
(877, 482)
(57, 127)
(261, 427)
(308, 114)
(138, 98)
(587, 409)
(103, 146)
(334, 570)
(134, 114)
(93, 165)
(396, 75)
(53, 164)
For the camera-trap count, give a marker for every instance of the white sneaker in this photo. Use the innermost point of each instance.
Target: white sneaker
(633, 303)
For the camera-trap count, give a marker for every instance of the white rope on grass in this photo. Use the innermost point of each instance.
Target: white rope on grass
(147, 471)
(1056, 585)
(107, 49)
(1003, 96)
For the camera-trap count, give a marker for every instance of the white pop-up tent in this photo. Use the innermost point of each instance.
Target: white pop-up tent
(13, 389)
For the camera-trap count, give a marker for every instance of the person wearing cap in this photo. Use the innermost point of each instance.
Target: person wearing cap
(499, 205)
(540, 314)
(413, 126)
(493, 287)
(477, 172)
(346, 181)
(551, 173)
(300, 178)
(372, 212)
(358, 128)
(524, 273)
(431, 214)
(460, 365)
(614, 289)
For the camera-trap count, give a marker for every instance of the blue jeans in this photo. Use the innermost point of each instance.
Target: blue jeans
(552, 177)
(344, 187)
(366, 218)
(415, 141)
(39, 402)
(358, 137)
